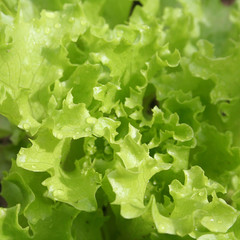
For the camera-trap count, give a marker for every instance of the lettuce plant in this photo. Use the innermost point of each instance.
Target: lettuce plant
(120, 119)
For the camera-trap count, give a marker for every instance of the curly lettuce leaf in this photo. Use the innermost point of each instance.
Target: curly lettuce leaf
(9, 225)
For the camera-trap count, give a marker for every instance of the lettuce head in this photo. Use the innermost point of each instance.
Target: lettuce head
(120, 119)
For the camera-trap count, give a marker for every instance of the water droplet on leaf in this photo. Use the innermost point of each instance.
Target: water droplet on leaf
(201, 194)
(22, 158)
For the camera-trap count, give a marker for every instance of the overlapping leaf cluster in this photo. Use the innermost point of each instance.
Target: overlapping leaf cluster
(120, 122)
